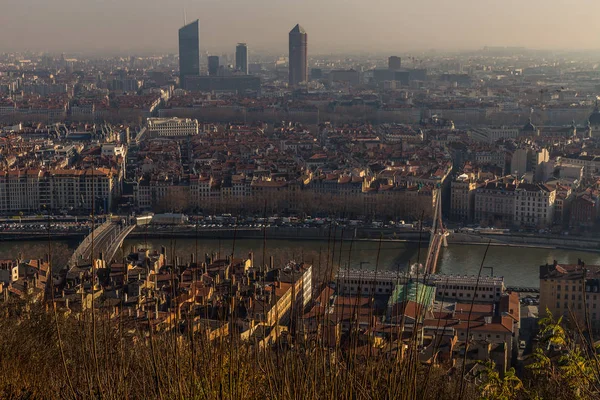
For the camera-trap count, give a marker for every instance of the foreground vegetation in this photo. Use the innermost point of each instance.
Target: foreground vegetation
(46, 355)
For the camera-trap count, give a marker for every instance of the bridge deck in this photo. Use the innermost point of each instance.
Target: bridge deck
(106, 240)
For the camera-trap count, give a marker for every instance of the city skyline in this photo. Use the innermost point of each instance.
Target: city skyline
(339, 27)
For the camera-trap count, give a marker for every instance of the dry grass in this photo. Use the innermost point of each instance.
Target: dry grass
(129, 364)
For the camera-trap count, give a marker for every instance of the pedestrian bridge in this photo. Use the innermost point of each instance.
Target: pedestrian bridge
(438, 237)
(103, 241)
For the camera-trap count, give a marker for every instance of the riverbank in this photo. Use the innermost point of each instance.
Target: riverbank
(41, 236)
(371, 234)
(527, 241)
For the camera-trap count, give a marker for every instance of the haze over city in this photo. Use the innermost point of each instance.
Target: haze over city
(261, 199)
(334, 26)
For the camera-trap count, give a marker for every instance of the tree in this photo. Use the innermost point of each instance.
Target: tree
(495, 387)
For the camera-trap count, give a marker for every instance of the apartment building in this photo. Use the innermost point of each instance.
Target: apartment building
(495, 203)
(70, 189)
(571, 290)
(462, 198)
(534, 205)
(20, 190)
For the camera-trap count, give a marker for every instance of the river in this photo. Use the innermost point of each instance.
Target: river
(518, 266)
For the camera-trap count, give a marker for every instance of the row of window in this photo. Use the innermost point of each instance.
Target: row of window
(587, 297)
(468, 295)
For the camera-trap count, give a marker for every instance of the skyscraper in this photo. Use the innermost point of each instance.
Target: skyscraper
(189, 51)
(213, 65)
(394, 63)
(298, 56)
(241, 58)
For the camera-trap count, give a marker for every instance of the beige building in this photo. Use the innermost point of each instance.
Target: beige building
(571, 290)
(69, 189)
(495, 204)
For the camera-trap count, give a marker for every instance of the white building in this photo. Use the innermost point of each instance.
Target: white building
(534, 205)
(172, 127)
(447, 287)
(457, 287)
(493, 134)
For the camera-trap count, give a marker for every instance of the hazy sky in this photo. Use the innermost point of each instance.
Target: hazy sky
(333, 26)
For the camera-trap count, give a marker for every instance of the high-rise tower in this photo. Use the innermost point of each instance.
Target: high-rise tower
(189, 51)
(298, 56)
(241, 58)
(394, 63)
(213, 65)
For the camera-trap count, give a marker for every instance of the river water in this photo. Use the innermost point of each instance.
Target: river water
(518, 266)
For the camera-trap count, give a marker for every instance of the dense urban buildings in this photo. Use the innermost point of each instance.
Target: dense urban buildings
(411, 150)
(298, 56)
(189, 51)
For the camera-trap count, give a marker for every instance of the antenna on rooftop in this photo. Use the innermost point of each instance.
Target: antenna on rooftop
(184, 17)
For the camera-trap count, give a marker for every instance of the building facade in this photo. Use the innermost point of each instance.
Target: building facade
(495, 204)
(462, 198)
(571, 291)
(172, 127)
(534, 205)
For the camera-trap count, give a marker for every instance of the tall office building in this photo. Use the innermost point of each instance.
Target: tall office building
(241, 58)
(189, 51)
(213, 65)
(298, 56)
(394, 63)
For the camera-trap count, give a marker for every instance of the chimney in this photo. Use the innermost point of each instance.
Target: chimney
(66, 303)
(163, 251)
(192, 259)
(251, 258)
(176, 261)
(271, 263)
(125, 300)
(137, 313)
